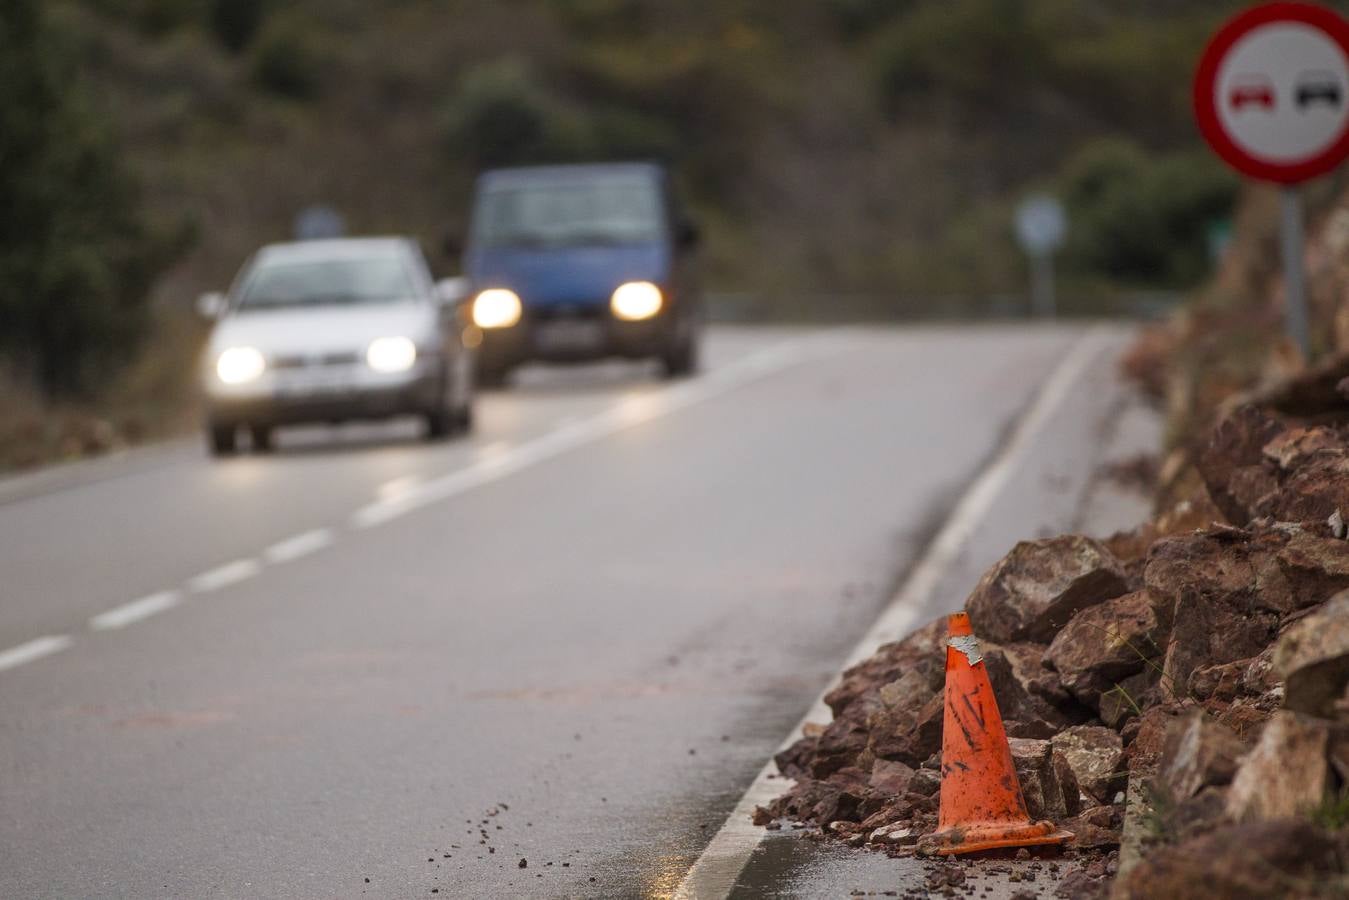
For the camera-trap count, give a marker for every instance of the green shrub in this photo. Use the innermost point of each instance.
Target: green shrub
(159, 17)
(979, 54)
(287, 60)
(1143, 218)
(76, 255)
(501, 115)
(236, 22)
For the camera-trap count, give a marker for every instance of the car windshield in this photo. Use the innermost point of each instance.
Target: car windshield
(329, 282)
(593, 212)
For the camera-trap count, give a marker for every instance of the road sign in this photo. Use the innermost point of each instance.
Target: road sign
(1041, 226)
(316, 223)
(1272, 92)
(1272, 98)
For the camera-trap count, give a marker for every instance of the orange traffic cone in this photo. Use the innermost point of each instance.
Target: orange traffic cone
(981, 802)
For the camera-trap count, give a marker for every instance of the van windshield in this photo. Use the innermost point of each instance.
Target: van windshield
(590, 212)
(331, 282)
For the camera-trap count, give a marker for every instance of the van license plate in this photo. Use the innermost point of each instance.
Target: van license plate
(568, 335)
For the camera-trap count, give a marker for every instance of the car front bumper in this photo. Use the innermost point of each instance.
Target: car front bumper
(355, 393)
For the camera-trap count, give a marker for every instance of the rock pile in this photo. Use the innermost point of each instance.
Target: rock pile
(1204, 656)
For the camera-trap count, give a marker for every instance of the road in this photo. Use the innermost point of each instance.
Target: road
(545, 660)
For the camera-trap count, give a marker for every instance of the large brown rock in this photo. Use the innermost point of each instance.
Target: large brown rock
(1034, 590)
(1031, 699)
(1198, 752)
(890, 777)
(1145, 738)
(1105, 644)
(1233, 463)
(1130, 697)
(1095, 754)
(888, 691)
(907, 735)
(1042, 782)
(1293, 448)
(1287, 774)
(1214, 582)
(889, 662)
(1309, 566)
(1291, 860)
(1097, 827)
(1312, 657)
(1311, 492)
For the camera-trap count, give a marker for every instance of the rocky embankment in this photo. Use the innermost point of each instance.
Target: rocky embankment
(1197, 665)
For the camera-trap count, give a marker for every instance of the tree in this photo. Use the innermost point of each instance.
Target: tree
(76, 257)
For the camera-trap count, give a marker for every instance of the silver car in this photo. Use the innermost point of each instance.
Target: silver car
(323, 331)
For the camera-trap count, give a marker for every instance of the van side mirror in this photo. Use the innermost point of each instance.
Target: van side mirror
(212, 305)
(688, 234)
(452, 246)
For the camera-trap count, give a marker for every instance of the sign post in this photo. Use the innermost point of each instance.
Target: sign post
(1041, 226)
(1271, 95)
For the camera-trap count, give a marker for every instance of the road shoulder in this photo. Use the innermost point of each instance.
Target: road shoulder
(1048, 478)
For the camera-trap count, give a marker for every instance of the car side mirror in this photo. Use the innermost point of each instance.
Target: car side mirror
(689, 234)
(452, 292)
(212, 305)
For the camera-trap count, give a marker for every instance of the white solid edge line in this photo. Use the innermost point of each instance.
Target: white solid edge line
(619, 417)
(34, 649)
(717, 868)
(121, 616)
(223, 576)
(302, 544)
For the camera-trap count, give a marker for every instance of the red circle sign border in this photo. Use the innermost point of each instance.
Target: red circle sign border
(1321, 17)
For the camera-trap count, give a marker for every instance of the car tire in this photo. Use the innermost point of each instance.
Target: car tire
(221, 440)
(262, 438)
(492, 377)
(681, 359)
(439, 424)
(463, 418)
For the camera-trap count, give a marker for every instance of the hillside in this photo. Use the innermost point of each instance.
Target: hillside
(849, 145)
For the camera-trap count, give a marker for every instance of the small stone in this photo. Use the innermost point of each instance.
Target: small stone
(524, 863)
(1337, 526)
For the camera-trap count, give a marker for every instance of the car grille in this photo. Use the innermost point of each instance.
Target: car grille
(317, 361)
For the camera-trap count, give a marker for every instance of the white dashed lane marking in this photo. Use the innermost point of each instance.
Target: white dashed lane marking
(574, 432)
(300, 545)
(32, 650)
(223, 576)
(405, 494)
(121, 616)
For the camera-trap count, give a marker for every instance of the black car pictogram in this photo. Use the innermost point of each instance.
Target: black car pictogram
(1317, 87)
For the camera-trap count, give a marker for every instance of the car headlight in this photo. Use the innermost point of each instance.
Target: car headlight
(496, 308)
(238, 365)
(391, 354)
(636, 300)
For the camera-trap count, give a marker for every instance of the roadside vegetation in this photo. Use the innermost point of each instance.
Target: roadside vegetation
(846, 157)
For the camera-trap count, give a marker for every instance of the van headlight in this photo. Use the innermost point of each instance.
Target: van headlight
(391, 354)
(239, 365)
(635, 300)
(496, 308)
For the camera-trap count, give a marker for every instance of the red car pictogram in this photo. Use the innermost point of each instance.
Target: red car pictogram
(1251, 90)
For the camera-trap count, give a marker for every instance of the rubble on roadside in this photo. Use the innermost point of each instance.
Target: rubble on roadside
(1205, 654)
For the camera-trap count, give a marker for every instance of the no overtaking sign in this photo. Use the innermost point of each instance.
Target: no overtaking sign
(1271, 96)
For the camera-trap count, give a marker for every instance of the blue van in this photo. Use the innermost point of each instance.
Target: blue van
(582, 262)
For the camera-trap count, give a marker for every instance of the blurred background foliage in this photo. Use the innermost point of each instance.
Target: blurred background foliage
(869, 148)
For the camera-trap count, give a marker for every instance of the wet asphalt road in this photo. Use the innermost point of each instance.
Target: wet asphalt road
(368, 666)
